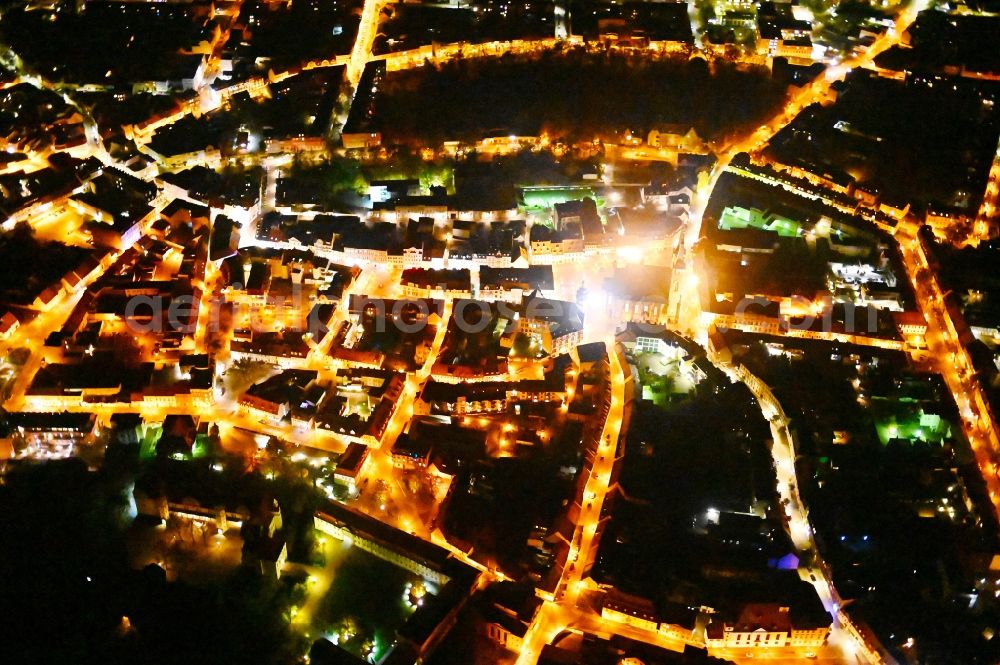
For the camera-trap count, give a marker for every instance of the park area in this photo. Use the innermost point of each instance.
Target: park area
(572, 94)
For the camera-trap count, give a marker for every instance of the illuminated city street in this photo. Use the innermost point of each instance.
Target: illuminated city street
(459, 333)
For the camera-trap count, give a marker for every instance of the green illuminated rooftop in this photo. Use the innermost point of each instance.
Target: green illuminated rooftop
(735, 217)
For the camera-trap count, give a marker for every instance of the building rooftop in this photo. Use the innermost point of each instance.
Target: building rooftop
(527, 279)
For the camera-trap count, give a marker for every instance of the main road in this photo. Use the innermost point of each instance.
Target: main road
(953, 361)
(690, 322)
(563, 609)
(367, 31)
(845, 641)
